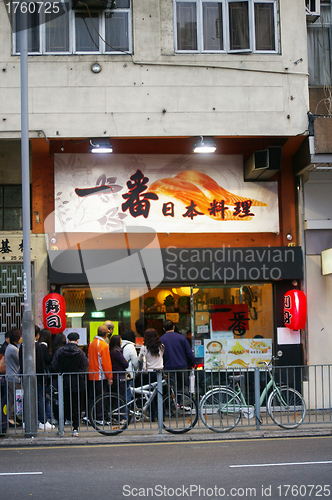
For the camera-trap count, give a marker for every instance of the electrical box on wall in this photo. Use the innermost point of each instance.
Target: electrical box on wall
(262, 165)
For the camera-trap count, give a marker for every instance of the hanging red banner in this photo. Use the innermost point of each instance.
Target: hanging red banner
(54, 313)
(231, 317)
(295, 309)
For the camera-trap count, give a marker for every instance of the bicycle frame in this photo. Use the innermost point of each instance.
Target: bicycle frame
(146, 392)
(143, 391)
(249, 410)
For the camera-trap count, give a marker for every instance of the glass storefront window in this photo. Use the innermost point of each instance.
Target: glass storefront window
(228, 314)
(217, 314)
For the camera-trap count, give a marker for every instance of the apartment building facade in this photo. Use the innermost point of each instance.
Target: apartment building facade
(152, 78)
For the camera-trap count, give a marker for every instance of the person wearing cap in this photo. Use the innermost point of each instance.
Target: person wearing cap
(70, 359)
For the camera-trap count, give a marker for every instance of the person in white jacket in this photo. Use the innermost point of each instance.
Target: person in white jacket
(130, 354)
(129, 350)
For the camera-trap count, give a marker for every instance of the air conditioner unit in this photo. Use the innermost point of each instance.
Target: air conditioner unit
(312, 8)
(262, 165)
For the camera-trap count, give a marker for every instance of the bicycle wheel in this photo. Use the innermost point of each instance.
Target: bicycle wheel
(220, 409)
(286, 407)
(110, 414)
(180, 413)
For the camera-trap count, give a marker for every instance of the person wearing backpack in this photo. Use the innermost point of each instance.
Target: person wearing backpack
(72, 361)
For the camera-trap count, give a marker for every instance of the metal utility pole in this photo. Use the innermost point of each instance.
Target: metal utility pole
(28, 331)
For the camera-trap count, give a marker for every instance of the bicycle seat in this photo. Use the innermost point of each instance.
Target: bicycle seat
(235, 378)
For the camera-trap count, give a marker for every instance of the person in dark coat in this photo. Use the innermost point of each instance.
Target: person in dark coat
(5, 344)
(44, 407)
(177, 356)
(72, 361)
(45, 341)
(119, 365)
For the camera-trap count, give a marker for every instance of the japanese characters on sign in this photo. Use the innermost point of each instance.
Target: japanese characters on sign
(295, 309)
(11, 249)
(54, 313)
(232, 317)
(185, 194)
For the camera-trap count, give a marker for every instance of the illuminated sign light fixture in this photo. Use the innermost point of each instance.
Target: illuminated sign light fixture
(100, 146)
(204, 145)
(98, 314)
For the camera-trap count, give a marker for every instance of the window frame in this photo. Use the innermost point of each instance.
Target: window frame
(226, 27)
(320, 47)
(72, 35)
(16, 206)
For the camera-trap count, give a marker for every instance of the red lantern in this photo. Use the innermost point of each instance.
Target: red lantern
(54, 313)
(295, 309)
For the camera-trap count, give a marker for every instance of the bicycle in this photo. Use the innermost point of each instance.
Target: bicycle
(222, 407)
(111, 413)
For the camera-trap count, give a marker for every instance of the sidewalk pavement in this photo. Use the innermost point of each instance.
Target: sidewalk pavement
(149, 436)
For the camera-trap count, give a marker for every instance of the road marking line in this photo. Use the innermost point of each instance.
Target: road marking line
(285, 463)
(19, 473)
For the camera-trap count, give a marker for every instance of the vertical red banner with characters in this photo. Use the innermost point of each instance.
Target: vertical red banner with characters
(295, 309)
(54, 313)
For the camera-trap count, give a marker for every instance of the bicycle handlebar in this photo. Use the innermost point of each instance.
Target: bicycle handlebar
(273, 358)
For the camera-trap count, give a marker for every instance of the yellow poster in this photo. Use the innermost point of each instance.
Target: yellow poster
(93, 327)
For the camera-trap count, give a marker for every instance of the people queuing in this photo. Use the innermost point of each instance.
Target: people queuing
(58, 341)
(100, 368)
(151, 355)
(3, 385)
(110, 326)
(43, 404)
(72, 361)
(116, 363)
(5, 344)
(12, 375)
(45, 341)
(130, 354)
(177, 356)
(119, 365)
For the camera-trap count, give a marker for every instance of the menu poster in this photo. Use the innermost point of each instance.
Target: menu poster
(214, 354)
(233, 353)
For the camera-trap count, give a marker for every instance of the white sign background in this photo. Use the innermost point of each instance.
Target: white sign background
(102, 212)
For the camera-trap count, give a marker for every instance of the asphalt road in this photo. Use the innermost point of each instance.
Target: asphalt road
(267, 468)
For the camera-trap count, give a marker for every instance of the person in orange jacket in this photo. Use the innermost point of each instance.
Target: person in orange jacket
(100, 366)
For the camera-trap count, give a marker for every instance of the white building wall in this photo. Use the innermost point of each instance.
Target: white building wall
(156, 92)
(317, 216)
(319, 295)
